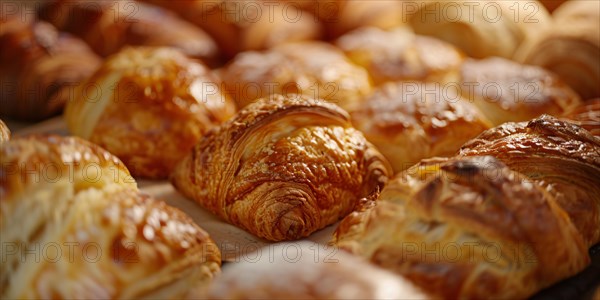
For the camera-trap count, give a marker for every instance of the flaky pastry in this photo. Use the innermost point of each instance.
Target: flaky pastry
(148, 106)
(282, 168)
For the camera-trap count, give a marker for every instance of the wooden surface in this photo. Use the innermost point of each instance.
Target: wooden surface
(237, 245)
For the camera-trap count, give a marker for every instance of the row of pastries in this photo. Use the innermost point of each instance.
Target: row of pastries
(411, 131)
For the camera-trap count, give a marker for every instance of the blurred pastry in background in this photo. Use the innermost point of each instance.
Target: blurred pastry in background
(148, 106)
(243, 25)
(482, 28)
(572, 48)
(4, 132)
(587, 115)
(410, 121)
(400, 55)
(551, 5)
(304, 270)
(506, 91)
(108, 26)
(40, 68)
(316, 69)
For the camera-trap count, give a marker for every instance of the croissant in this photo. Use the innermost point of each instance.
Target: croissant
(506, 91)
(39, 69)
(282, 168)
(148, 106)
(467, 227)
(74, 226)
(242, 25)
(409, 121)
(482, 28)
(4, 132)
(400, 55)
(315, 69)
(108, 26)
(587, 116)
(317, 272)
(560, 156)
(571, 49)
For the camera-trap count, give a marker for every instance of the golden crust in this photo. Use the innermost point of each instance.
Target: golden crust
(282, 168)
(399, 54)
(94, 235)
(506, 91)
(39, 68)
(315, 69)
(561, 157)
(472, 27)
(108, 26)
(148, 106)
(587, 116)
(325, 273)
(4, 132)
(244, 25)
(410, 121)
(444, 218)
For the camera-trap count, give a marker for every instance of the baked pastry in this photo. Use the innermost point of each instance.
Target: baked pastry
(242, 25)
(506, 91)
(39, 69)
(572, 48)
(467, 228)
(282, 168)
(99, 237)
(482, 28)
(4, 132)
(108, 26)
(409, 121)
(587, 116)
(315, 69)
(341, 16)
(315, 272)
(148, 106)
(399, 54)
(559, 156)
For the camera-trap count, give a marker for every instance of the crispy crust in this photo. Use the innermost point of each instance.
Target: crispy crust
(76, 199)
(283, 168)
(436, 223)
(560, 156)
(148, 106)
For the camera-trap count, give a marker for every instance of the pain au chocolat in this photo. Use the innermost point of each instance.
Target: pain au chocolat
(282, 168)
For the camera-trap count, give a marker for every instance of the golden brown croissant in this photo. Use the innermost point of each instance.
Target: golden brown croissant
(309, 271)
(148, 106)
(242, 25)
(39, 69)
(467, 228)
(506, 91)
(74, 226)
(282, 168)
(108, 26)
(315, 69)
(399, 54)
(572, 48)
(409, 121)
(587, 116)
(560, 156)
(4, 132)
(482, 28)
